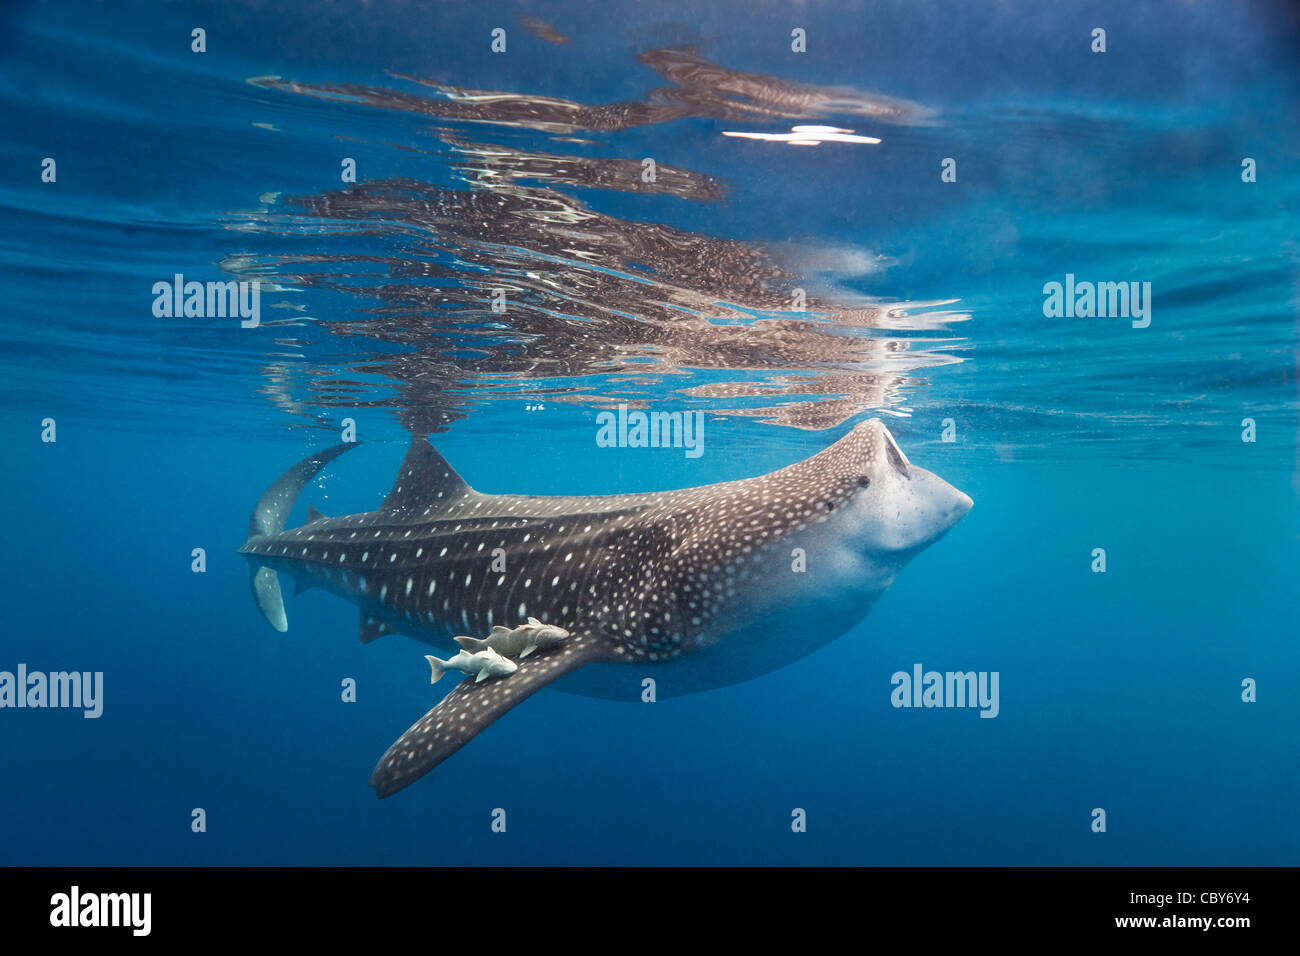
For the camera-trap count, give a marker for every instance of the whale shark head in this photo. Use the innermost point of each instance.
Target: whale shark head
(902, 509)
(880, 510)
(789, 561)
(864, 511)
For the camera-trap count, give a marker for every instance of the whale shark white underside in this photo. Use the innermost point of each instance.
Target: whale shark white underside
(699, 588)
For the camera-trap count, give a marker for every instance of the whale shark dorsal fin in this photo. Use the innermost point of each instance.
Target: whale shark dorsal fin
(424, 481)
(470, 707)
(372, 628)
(313, 514)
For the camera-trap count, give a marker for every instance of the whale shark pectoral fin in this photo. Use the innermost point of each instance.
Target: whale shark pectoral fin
(373, 628)
(471, 707)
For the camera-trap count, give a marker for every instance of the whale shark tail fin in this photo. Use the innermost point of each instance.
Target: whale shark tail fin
(266, 593)
(469, 708)
(269, 515)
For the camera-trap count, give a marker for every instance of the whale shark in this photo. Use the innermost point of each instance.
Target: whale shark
(709, 586)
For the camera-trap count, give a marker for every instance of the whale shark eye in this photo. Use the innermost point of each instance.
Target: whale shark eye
(863, 481)
(828, 505)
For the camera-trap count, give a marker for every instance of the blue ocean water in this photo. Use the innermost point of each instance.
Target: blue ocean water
(1120, 690)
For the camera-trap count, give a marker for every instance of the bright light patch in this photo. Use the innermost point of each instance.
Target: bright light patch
(808, 136)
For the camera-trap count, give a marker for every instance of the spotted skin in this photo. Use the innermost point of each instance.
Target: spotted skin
(647, 579)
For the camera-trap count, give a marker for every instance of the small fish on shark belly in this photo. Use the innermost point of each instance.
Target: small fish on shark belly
(516, 642)
(483, 664)
(700, 577)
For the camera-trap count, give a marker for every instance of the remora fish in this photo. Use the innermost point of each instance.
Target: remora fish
(484, 664)
(716, 584)
(516, 642)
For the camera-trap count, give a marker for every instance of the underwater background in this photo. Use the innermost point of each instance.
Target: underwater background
(922, 304)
